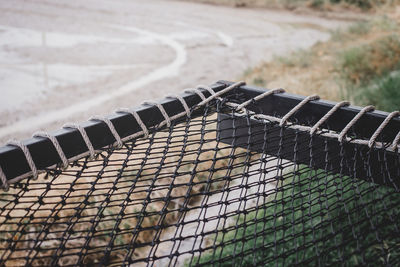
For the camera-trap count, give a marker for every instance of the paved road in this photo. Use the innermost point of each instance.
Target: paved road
(63, 61)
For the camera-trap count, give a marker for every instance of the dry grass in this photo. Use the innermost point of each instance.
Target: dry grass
(376, 58)
(299, 77)
(364, 51)
(319, 5)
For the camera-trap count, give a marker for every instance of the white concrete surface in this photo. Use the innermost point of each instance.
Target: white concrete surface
(64, 61)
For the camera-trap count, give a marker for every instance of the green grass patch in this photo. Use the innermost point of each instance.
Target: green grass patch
(360, 28)
(361, 64)
(363, 5)
(383, 93)
(369, 72)
(316, 219)
(301, 58)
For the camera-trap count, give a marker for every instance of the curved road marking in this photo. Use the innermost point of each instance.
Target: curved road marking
(226, 39)
(166, 71)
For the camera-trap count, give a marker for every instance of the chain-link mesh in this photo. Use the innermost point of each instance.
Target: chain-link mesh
(184, 197)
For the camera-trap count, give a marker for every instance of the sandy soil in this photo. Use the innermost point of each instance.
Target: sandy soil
(64, 61)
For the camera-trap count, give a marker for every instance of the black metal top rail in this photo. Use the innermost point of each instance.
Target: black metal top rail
(355, 159)
(280, 104)
(44, 155)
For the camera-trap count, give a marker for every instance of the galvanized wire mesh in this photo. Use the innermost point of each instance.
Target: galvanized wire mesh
(185, 197)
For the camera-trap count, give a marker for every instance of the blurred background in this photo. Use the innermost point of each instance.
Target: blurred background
(64, 61)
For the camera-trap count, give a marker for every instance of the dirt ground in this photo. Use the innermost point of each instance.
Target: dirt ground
(64, 61)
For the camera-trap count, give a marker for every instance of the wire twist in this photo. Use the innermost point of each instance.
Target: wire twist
(183, 102)
(195, 91)
(328, 115)
(395, 142)
(208, 88)
(56, 145)
(162, 110)
(381, 127)
(223, 91)
(137, 118)
(297, 107)
(4, 180)
(110, 125)
(353, 121)
(263, 95)
(28, 156)
(84, 136)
